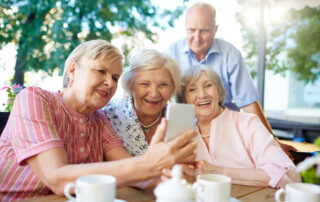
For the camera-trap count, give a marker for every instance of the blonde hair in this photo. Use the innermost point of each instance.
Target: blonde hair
(192, 74)
(148, 59)
(94, 50)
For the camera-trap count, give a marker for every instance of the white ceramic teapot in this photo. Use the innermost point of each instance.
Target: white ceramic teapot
(176, 189)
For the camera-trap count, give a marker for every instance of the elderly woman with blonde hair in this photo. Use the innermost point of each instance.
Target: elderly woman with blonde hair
(229, 142)
(52, 138)
(152, 78)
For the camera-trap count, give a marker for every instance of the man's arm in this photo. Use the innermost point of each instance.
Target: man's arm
(255, 108)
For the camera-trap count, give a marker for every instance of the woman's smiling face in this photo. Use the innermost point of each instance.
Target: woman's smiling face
(94, 83)
(151, 90)
(203, 93)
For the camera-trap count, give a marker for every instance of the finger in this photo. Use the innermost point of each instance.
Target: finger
(188, 169)
(160, 132)
(183, 138)
(199, 172)
(189, 148)
(164, 178)
(189, 172)
(166, 172)
(199, 164)
(190, 159)
(291, 148)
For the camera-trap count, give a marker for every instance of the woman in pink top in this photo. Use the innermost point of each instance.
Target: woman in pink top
(52, 138)
(232, 143)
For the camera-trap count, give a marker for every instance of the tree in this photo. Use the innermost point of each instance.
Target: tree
(46, 31)
(291, 45)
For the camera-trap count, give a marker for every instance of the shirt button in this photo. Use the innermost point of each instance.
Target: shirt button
(81, 134)
(82, 149)
(81, 120)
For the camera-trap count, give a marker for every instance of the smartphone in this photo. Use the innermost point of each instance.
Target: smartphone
(180, 118)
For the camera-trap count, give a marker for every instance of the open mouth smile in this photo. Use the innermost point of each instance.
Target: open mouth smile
(203, 103)
(152, 102)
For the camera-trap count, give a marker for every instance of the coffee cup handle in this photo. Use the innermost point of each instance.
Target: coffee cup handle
(67, 191)
(278, 195)
(199, 191)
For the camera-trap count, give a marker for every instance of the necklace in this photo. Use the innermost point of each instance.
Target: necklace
(147, 127)
(208, 135)
(204, 136)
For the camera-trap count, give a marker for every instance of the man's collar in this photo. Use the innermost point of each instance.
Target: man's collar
(213, 49)
(185, 47)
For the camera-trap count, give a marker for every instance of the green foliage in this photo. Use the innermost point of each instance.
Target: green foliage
(306, 53)
(293, 44)
(12, 92)
(310, 175)
(317, 141)
(46, 31)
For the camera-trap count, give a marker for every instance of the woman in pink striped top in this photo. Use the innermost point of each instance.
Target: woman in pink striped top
(52, 138)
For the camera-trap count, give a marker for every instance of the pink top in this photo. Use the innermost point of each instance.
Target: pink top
(239, 140)
(40, 120)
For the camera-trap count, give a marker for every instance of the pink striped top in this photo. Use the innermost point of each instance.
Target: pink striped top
(40, 120)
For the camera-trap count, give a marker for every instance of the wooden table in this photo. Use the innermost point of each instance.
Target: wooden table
(302, 146)
(240, 192)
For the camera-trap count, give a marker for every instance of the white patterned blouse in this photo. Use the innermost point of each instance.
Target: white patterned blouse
(124, 120)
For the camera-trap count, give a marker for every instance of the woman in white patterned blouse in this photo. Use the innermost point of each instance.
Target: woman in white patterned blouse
(152, 78)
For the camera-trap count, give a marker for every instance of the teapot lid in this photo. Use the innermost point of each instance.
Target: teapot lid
(175, 188)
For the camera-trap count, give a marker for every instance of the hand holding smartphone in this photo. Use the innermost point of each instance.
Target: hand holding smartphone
(180, 118)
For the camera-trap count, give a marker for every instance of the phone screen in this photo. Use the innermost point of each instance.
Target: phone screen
(180, 118)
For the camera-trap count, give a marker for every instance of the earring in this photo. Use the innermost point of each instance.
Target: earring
(70, 82)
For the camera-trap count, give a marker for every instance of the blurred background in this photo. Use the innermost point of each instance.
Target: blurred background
(36, 36)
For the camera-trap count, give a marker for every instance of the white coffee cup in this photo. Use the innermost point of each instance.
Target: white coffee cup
(97, 188)
(297, 192)
(213, 188)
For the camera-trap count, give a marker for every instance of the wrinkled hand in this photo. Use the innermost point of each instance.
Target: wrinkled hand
(203, 167)
(165, 154)
(188, 171)
(287, 148)
(150, 183)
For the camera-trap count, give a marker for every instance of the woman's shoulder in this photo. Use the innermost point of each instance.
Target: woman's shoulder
(32, 89)
(34, 92)
(116, 105)
(241, 116)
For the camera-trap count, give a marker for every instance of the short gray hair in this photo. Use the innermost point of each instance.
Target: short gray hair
(93, 49)
(148, 59)
(203, 5)
(192, 74)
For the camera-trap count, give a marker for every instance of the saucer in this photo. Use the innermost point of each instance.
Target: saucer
(115, 200)
(119, 200)
(234, 200)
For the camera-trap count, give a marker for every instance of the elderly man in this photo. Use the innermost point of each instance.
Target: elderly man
(201, 47)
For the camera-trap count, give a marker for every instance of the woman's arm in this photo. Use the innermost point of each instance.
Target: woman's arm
(246, 176)
(266, 153)
(53, 170)
(255, 108)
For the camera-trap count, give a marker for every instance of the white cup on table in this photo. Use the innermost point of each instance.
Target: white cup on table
(297, 192)
(213, 188)
(97, 188)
